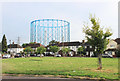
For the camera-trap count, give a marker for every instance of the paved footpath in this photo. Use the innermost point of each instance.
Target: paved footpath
(25, 78)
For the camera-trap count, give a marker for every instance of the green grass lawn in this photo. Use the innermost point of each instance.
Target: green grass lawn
(70, 66)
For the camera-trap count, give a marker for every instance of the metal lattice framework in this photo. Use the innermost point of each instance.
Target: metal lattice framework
(45, 30)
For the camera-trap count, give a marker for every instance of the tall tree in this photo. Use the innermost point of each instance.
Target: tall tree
(65, 51)
(41, 50)
(28, 50)
(80, 50)
(54, 49)
(4, 44)
(53, 42)
(97, 37)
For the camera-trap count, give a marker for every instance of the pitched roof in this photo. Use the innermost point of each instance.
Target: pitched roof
(117, 40)
(111, 50)
(85, 44)
(14, 46)
(34, 45)
(76, 43)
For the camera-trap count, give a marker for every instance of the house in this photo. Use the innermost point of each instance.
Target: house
(72, 45)
(112, 47)
(14, 48)
(88, 48)
(34, 46)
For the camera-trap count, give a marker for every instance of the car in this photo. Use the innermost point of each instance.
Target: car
(6, 56)
(32, 55)
(71, 55)
(58, 55)
(18, 55)
(40, 55)
(107, 56)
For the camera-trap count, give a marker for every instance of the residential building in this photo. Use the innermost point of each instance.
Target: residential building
(34, 46)
(72, 45)
(14, 48)
(88, 49)
(111, 47)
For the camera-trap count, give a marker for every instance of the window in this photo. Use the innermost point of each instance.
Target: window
(48, 48)
(90, 46)
(76, 46)
(91, 53)
(112, 45)
(86, 53)
(110, 52)
(72, 47)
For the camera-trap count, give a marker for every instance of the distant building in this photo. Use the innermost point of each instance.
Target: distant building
(14, 48)
(88, 49)
(112, 47)
(34, 46)
(74, 46)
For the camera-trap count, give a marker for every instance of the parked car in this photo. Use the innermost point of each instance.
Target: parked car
(33, 55)
(18, 55)
(107, 55)
(40, 55)
(58, 55)
(6, 56)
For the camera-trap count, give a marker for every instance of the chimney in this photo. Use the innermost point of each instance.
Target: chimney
(83, 41)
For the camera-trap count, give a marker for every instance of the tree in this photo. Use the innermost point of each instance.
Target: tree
(28, 50)
(4, 44)
(24, 45)
(41, 50)
(80, 50)
(53, 42)
(65, 51)
(97, 37)
(54, 49)
(118, 51)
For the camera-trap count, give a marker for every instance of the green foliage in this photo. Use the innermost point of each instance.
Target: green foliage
(118, 51)
(80, 50)
(24, 45)
(28, 50)
(53, 42)
(31, 43)
(54, 49)
(41, 50)
(96, 36)
(65, 50)
(4, 44)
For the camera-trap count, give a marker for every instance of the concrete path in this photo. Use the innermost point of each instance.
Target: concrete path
(26, 78)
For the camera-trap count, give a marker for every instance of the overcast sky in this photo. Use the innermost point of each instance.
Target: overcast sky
(16, 16)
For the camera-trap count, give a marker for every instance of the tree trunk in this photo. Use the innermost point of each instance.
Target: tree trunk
(40, 55)
(55, 54)
(100, 62)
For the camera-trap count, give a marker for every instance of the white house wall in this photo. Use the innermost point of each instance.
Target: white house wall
(112, 44)
(15, 50)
